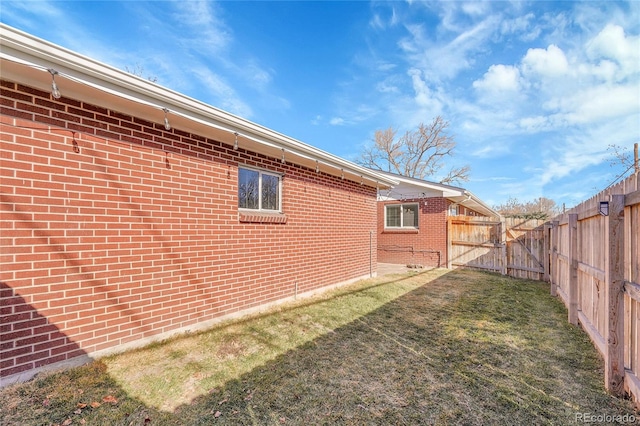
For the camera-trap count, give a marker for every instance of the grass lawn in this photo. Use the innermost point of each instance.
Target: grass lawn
(437, 347)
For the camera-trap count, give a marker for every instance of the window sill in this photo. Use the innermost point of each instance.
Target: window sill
(400, 231)
(261, 217)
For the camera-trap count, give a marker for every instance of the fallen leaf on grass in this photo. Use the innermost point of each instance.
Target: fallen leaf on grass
(110, 399)
(78, 411)
(217, 414)
(81, 405)
(67, 422)
(223, 401)
(95, 404)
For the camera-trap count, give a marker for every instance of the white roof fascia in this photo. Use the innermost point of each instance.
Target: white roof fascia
(446, 190)
(453, 193)
(24, 48)
(484, 208)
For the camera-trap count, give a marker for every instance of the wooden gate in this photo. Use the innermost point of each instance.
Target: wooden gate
(526, 254)
(510, 246)
(474, 242)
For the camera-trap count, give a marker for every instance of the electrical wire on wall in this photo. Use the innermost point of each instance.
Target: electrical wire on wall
(394, 195)
(412, 250)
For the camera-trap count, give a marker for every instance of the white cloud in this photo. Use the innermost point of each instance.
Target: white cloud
(385, 66)
(493, 179)
(491, 150)
(387, 86)
(474, 8)
(612, 43)
(603, 71)
(521, 26)
(598, 103)
(535, 124)
(585, 147)
(256, 75)
(24, 12)
(216, 86)
(377, 22)
(443, 59)
(337, 121)
(207, 30)
(425, 98)
(395, 19)
(566, 163)
(545, 63)
(498, 79)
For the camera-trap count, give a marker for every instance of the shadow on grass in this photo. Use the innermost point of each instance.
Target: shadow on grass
(465, 348)
(449, 352)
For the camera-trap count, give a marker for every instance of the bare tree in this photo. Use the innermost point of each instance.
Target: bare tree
(540, 208)
(620, 156)
(419, 153)
(138, 71)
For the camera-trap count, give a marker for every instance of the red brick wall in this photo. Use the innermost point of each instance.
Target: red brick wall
(136, 232)
(425, 246)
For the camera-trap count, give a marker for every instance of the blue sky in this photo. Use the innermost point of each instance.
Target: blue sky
(534, 91)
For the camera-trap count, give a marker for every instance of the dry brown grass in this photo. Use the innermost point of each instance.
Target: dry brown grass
(439, 347)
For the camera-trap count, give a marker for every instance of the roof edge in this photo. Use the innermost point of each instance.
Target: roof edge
(32, 51)
(454, 193)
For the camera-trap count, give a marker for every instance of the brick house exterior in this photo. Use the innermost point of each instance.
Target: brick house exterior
(412, 220)
(116, 230)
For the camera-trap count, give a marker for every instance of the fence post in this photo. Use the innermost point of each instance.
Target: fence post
(573, 268)
(449, 243)
(554, 257)
(614, 358)
(503, 246)
(545, 250)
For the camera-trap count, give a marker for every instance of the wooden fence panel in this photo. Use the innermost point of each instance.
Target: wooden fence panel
(603, 264)
(511, 246)
(632, 289)
(592, 261)
(474, 243)
(525, 245)
(591, 264)
(562, 265)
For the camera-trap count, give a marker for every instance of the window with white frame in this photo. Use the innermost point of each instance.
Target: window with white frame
(401, 216)
(259, 190)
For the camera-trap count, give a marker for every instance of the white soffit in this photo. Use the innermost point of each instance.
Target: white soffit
(415, 188)
(25, 60)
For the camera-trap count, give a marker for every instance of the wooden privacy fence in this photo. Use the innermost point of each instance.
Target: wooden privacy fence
(594, 264)
(510, 246)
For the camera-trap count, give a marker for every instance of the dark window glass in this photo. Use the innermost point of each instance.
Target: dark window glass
(248, 184)
(402, 216)
(258, 190)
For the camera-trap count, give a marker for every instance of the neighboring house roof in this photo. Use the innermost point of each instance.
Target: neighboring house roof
(27, 59)
(412, 188)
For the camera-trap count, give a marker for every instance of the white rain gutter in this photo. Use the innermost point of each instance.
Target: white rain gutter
(23, 48)
(453, 193)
